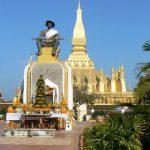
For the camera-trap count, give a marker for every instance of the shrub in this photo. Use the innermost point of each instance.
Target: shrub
(98, 113)
(119, 132)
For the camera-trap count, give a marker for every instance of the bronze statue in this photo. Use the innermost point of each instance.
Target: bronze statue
(48, 38)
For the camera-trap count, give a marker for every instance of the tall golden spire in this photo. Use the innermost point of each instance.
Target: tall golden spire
(79, 38)
(79, 57)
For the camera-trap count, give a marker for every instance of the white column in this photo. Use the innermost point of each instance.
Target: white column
(70, 89)
(25, 84)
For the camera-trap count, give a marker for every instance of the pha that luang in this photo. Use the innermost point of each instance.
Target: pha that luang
(109, 90)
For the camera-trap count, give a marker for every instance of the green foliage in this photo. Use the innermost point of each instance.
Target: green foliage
(98, 113)
(81, 96)
(141, 110)
(146, 46)
(126, 104)
(3, 112)
(144, 110)
(121, 132)
(142, 91)
(146, 142)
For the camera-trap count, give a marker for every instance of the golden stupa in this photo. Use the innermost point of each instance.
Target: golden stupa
(109, 90)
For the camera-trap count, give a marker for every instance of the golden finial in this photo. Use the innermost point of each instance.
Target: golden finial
(113, 68)
(79, 5)
(122, 66)
(101, 70)
(10, 109)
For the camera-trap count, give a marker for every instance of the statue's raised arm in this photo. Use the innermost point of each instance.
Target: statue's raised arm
(48, 38)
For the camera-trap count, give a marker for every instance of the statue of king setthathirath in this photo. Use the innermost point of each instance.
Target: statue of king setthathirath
(48, 38)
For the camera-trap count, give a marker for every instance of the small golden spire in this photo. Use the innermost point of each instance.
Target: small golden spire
(122, 66)
(101, 70)
(129, 87)
(113, 69)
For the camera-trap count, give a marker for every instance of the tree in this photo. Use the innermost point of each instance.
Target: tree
(142, 91)
(144, 110)
(40, 93)
(120, 132)
(81, 96)
(146, 46)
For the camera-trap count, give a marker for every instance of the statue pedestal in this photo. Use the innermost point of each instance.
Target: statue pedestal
(47, 55)
(56, 75)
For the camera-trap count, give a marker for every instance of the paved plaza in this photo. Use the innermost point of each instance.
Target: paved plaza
(64, 140)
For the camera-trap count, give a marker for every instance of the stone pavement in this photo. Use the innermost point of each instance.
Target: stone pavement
(64, 140)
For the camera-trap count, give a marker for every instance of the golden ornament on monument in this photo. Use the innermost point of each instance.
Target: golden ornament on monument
(10, 109)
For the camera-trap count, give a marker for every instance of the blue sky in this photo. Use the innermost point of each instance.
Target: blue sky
(115, 30)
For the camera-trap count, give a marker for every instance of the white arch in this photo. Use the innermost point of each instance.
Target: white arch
(53, 85)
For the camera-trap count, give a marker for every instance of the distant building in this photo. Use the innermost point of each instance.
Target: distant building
(1, 99)
(109, 90)
(3, 104)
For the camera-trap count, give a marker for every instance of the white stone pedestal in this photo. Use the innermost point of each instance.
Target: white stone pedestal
(29, 132)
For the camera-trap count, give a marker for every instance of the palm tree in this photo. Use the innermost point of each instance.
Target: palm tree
(145, 67)
(146, 46)
(142, 91)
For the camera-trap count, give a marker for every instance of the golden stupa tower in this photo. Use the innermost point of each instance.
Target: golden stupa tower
(108, 89)
(79, 56)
